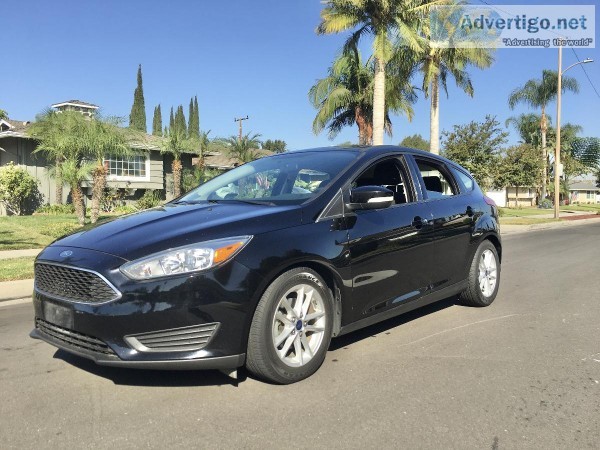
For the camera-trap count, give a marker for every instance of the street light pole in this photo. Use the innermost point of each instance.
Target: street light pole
(557, 151)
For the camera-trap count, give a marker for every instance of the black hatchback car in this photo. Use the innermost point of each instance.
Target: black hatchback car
(264, 264)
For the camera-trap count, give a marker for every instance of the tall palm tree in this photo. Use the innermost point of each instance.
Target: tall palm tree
(244, 149)
(345, 96)
(439, 63)
(382, 19)
(538, 93)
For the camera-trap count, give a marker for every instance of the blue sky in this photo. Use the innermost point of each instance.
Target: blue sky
(256, 58)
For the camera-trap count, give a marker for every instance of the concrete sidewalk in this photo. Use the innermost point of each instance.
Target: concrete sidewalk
(9, 254)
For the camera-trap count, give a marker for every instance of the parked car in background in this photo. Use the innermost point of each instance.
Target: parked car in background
(263, 265)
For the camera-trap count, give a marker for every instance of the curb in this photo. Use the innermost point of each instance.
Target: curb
(506, 230)
(14, 290)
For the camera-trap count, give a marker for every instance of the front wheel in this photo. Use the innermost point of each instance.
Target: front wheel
(291, 328)
(484, 277)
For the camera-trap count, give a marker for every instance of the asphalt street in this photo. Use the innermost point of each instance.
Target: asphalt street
(523, 373)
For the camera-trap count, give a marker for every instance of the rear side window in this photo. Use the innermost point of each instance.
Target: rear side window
(436, 179)
(465, 179)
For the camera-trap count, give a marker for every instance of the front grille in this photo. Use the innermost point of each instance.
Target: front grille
(73, 338)
(72, 284)
(174, 340)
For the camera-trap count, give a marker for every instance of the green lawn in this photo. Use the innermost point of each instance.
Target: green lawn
(16, 268)
(592, 208)
(23, 232)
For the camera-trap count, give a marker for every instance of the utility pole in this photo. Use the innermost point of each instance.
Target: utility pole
(240, 121)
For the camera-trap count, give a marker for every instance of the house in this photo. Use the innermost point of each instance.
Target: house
(147, 169)
(219, 160)
(584, 191)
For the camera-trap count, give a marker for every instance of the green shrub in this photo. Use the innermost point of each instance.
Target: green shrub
(545, 204)
(150, 199)
(113, 198)
(59, 229)
(501, 212)
(18, 190)
(125, 209)
(56, 210)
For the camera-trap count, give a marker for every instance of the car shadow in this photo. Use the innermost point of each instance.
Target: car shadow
(198, 378)
(386, 325)
(152, 378)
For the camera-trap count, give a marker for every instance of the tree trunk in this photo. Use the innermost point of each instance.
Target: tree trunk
(379, 102)
(176, 166)
(59, 181)
(544, 129)
(434, 117)
(361, 124)
(99, 180)
(77, 196)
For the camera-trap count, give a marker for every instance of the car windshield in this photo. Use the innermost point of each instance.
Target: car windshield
(289, 178)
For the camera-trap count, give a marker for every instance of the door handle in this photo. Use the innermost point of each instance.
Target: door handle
(419, 222)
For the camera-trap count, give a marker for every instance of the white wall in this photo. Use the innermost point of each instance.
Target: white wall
(498, 196)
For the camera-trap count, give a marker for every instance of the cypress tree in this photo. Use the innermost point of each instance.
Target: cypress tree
(172, 121)
(191, 120)
(196, 115)
(137, 118)
(157, 122)
(180, 125)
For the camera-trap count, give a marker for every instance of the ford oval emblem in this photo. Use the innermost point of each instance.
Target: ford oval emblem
(66, 254)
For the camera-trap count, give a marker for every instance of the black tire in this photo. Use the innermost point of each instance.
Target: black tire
(473, 294)
(262, 359)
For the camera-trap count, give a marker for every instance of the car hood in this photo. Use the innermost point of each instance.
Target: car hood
(174, 225)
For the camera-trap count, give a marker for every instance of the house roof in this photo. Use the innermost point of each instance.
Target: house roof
(584, 185)
(13, 128)
(75, 103)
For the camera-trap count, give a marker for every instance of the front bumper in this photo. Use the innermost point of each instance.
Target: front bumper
(130, 331)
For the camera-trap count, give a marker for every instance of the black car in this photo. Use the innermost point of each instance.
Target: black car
(264, 264)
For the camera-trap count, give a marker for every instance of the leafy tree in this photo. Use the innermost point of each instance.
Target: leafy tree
(415, 141)
(3, 114)
(520, 167)
(382, 20)
(476, 146)
(157, 122)
(345, 96)
(17, 188)
(244, 149)
(277, 146)
(137, 117)
(538, 93)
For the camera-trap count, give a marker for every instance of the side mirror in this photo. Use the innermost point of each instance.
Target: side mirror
(370, 197)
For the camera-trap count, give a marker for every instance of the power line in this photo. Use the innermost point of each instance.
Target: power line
(586, 74)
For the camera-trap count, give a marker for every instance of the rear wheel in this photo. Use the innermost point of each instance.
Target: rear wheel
(291, 328)
(484, 277)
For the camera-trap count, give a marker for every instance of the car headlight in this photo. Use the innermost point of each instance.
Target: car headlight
(187, 259)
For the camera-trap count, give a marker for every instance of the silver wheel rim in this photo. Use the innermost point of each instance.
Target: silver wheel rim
(299, 325)
(488, 273)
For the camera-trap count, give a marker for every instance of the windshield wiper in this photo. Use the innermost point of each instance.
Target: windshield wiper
(248, 201)
(187, 202)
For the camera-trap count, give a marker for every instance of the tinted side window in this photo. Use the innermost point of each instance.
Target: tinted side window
(436, 180)
(466, 180)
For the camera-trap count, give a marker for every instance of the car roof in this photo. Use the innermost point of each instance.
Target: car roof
(375, 150)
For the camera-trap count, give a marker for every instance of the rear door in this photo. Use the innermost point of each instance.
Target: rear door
(453, 214)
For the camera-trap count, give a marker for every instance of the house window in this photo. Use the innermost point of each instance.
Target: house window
(127, 167)
(591, 195)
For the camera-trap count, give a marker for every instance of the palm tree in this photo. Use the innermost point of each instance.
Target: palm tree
(437, 64)
(102, 138)
(382, 19)
(538, 93)
(176, 143)
(528, 127)
(58, 137)
(244, 149)
(74, 172)
(345, 96)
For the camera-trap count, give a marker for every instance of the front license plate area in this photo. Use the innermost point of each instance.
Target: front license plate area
(58, 315)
